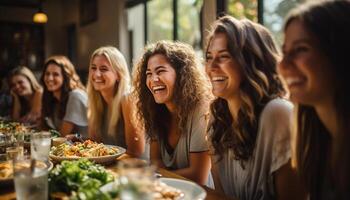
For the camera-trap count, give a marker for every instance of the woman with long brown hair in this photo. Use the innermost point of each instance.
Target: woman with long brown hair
(64, 100)
(249, 131)
(315, 64)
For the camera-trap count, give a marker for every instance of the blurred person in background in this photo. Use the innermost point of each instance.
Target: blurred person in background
(249, 131)
(27, 93)
(315, 67)
(64, 100)
(173, 100)
(111, 118)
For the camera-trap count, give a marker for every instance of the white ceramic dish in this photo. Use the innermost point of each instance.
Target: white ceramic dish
(100, 160)
(9, 180)
(191, 190)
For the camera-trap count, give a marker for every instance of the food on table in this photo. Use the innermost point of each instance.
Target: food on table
(6, 170)
(86, 149)
(81, 179)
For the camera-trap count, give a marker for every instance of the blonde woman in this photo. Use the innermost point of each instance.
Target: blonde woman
(27, 94)
(64, 100)
(110, 105)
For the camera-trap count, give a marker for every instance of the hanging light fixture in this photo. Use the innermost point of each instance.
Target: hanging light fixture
(40, 17)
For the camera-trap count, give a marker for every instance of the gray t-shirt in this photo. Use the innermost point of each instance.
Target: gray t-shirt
(76, 112)
(191, 141)
(271, 152)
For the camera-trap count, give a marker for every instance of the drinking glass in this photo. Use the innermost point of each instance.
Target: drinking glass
(31, 179)
(40, 144)
(136, 173)
(14, 152)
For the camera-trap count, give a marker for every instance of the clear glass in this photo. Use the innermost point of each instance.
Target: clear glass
(136, 179)
(14, 152)
(40, 144)
(31, 179)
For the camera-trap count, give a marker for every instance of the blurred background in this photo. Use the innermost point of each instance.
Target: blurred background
(32, 30)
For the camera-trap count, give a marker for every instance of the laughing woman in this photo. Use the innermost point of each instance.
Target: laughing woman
(249, 133)
(172, 103)
(110, 105)
(315, 64)
(27, 94)
(64, 100)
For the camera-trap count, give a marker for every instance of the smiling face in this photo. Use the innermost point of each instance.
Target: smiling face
(160, 79)
(305, 69)
(21, 85)
(53, 78)
(102, 76)
(223, 70)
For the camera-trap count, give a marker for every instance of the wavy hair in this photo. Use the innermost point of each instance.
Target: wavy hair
(252, 46)
(71, 81)
(95, 105)
(191, 88)
(316, 153)
(28, 74)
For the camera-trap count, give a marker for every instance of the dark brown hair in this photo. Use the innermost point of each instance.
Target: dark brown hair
(317, 154)
(252, 46)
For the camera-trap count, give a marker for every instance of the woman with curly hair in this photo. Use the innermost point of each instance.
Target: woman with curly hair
(27, 94)
(250, 128)
(111, 117)
(173, 103)
(315, 64)
(64, 100)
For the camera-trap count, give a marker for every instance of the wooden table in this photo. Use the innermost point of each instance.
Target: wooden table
(7, 193)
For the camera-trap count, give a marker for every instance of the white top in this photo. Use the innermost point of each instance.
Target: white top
(271, 152)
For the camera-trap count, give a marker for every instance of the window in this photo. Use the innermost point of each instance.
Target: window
(243, 9)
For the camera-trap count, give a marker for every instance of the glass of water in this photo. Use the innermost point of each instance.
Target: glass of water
(31, 179)
(40, 144)
(14, 152)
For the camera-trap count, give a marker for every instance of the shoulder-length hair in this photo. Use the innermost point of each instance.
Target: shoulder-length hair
(24, 71)
(71, 81)
(191, 88)
(329, 23)
(95, 103)
(252, 46)
(28, 74)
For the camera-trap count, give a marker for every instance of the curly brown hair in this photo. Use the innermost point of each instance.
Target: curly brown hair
(191, 87)
(252, 46)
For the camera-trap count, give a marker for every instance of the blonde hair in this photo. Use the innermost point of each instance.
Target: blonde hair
(24, 71)
(95, 104)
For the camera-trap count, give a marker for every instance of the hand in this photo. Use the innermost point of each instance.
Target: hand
(74, 138)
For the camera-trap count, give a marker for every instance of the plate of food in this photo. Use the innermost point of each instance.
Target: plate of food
(6, 170)
(97, 152)
(191, 190)
(160, 189)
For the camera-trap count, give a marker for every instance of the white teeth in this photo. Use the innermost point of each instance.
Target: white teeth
(98, 81)
(293, 80)
(218, 78)
(160, 87)
(157, 88)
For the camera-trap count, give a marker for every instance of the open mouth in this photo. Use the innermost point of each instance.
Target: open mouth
(294, 81)
(218, 78)
(159, 88)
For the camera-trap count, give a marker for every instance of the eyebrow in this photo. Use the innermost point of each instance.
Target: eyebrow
(303, 40)
(158, 67)
(220, 51)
